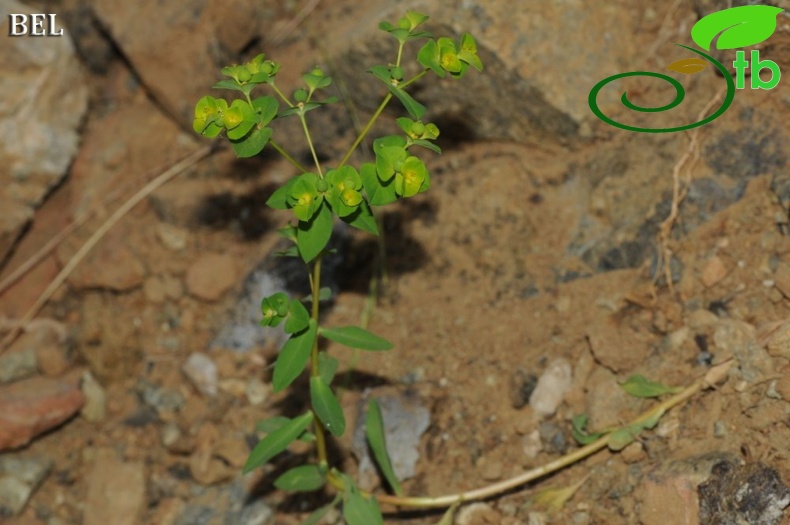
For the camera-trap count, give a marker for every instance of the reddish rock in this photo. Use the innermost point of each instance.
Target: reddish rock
(33, 406)
(714, 271)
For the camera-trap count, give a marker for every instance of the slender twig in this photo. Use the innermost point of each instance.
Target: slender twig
(174, 170)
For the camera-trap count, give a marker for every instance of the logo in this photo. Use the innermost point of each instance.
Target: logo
(735, 27)
(37, 24)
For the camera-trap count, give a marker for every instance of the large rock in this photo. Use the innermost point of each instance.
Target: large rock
(44, 100)
(178, 47)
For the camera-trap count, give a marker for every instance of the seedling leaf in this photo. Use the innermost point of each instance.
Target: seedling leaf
(327, 367)
(298, 317)
(318, 514)
(293, 357)
(363, 219)
(277, 441)
(579, 425)
(326, 406)
(640, 386)
(620, 438)
(252, 143)
(356, 337)
(374, 428)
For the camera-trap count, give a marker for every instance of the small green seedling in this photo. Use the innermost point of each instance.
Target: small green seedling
(317, 197)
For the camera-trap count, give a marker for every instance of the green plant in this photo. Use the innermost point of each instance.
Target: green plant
(316, 197)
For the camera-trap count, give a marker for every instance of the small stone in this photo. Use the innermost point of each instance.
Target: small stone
(233, 386)
(700, 319)
(154, 290)
(33, 406)
(116, 491)
(19, 478)
(159, 398)
(17, 364)
(170, 435)
(233, 449)
(173, 287)
(205, 468)
(202, 372)
(168, 511)
(551, 388)
(257, 391)
(532, 445)
(778, 341)
(172, 237)
(211, 276)
(95, 408)
(633, 453)
(782, 279)
(714, 271)
(490, 470)
(477, 514)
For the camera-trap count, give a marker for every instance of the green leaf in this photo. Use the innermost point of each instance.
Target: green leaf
(326, 406)
(449, 516)
(738, 26)
(305, 478)
(298, 317)
(277, 441)
(327, 367)
(468, 52)
(269, 425)
(363, 219)
(252, 143)
(579, 425)
(640, 386)
(313, 236)
(428, 144)
(414, 108)
(293, 357)
(319, 513)
(228, 84)
(279, 199)
(359, 510)
(355, 337)
(620, 438)
(379, 193)
(246, 119)
(374, 428)
(266, 107)
(429, 57)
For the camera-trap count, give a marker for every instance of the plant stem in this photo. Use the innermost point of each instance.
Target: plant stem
(310, 143)
(287, 156)
(318, 429)
(536, 473)
(281, 95)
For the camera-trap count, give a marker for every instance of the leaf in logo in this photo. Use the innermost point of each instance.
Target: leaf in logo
(738, 27)
(688, 66)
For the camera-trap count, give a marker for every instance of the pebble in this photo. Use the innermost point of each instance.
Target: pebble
(714, 271)
(32, 406)
(116, 491)
(477, 514)
(532, 445)
(211, 276)
(172, 237)
(17, 364)
(257, 391)
(19, 478)
(552, 386)
(202, 372)
(95, 408)
(154, 290)
(170, 434)
(159, 398)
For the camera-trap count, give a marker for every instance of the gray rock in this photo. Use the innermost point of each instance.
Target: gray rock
(17, 365)
(228, 504)
(44, 100)
(242, 330)
(19, 478)
(159, 398)
(202, 372)
(405, 420)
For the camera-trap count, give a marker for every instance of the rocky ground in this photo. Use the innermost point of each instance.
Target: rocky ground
(133, 395)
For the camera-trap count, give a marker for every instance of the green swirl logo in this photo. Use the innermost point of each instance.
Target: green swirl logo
(735, 27)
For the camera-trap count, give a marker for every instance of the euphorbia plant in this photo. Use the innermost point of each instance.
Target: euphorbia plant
(317, 196)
